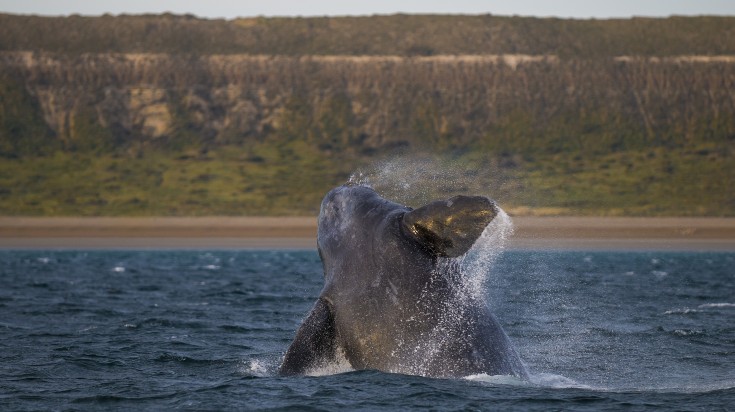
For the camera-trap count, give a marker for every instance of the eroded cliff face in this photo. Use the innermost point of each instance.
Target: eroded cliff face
(368, 104)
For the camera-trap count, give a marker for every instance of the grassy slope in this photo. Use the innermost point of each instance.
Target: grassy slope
(376, 35)
(221, 182)
(228, 182)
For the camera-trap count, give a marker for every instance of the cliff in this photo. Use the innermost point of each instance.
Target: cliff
(372, 104)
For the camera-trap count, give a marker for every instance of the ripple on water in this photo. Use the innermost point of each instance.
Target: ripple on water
(76, 335)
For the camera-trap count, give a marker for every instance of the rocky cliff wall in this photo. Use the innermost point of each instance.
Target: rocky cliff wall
(367, 104)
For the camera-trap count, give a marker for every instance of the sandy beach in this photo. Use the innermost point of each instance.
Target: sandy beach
(561, 233)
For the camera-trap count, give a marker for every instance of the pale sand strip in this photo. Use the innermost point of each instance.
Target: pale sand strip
(555, 233)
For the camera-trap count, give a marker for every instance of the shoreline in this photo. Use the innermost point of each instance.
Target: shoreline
(530, 233)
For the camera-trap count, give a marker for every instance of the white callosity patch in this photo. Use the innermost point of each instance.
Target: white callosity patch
(338, 209)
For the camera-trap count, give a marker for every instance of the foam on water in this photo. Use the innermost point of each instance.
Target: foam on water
(717, 305)
(256, 367)
(339, 365)
(544, 380)
(550, 380)
(554, 381)
(508, 380)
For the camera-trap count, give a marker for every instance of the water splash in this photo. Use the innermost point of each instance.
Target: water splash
(477, 264)
(359, 179)
(259, 367)
(338, 365)
(469, 275)
(473, 271)
(255, 367)
(416, 181)
(419, 179)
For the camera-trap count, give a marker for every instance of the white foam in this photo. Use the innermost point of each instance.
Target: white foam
(509, 380)
(546, 380)
(551, 380)
(257, 367)
(693, 389)
(339, 365)
(118, 269)
(682, 311)
(717, 305)
(688, 332)
(711, 387)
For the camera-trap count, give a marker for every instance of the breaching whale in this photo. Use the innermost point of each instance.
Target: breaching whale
(393, 298)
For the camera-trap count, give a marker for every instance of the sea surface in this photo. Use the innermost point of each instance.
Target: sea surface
(205, 330)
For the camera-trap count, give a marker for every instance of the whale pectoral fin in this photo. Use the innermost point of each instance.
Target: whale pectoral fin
(315, 341)
(449, 228)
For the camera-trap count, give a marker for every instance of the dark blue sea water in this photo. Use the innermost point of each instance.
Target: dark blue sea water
(205, 330)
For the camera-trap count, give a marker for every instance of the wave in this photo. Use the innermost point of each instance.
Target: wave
(554, 381)
(508, 380)
(717, 305)
(698, 309)
(267, 366)
(187, 360)
(542, 380)
(695, 389)
(550, 380)
(689, 332)
(682, 311)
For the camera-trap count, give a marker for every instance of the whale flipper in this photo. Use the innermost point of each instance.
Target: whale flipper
(449, 228)
(315, 342)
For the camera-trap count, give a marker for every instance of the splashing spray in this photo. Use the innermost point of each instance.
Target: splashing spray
(477, 264)
(415, 182)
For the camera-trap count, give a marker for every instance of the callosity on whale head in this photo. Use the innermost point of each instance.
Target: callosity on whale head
(392, 298)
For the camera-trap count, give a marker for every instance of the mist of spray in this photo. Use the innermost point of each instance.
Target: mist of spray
(418, 180)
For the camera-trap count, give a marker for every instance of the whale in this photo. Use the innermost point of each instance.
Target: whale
(394, 297)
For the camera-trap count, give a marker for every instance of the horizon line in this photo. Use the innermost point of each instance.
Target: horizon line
(398, 13)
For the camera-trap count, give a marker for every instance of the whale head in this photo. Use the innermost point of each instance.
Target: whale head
(355, 222)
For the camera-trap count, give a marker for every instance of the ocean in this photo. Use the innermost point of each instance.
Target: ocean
(205, 330)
